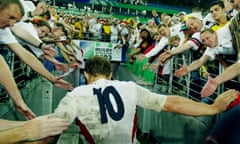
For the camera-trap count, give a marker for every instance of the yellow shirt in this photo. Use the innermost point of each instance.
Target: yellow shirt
(107, 29)
(218, 26)
(79, 26)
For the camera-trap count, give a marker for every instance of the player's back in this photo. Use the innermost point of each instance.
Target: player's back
(106, 108)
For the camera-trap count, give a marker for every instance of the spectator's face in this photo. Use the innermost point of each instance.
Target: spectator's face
(217, 12)
(154, 13)
(57, 31)
(45, 17)
(151, 23)
(164, 31)
(181, 17)
(166, 19)
(157, 37)
(53, 11)
(236, 4)
(194, 25)
(144, 34)
(62, 12)
(9, 16)
(175, 43)
(209, 39)
(42, 31)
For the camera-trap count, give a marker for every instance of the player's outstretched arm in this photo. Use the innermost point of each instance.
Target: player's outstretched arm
(182, 105)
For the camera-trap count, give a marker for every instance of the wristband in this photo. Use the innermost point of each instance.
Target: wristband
(40, 45)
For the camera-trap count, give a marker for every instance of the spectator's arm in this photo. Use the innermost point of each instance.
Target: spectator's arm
(10, 132)
(36, 129)
(36, 65)
(7, 81)
(158, 47)
(40, 9)
(230, 73)
(135, 51)
(169, 53)
(182, 48)
(31, 60)
(25, 35)
(197, 63)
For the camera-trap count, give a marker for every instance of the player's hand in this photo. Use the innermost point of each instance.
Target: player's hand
(222, 101)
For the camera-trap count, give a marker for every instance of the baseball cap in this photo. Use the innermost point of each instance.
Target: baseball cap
(181, 13)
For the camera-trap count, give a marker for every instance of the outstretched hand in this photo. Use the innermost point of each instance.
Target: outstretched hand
(59, 82)
(24, 110)
(165, 56)
(209, 87)
(40, 9)
(181, 72)
(222, 101)
(44, 126)
(145, 66)
(140, 57)
(61, 66)
(49, 50)
(154, 66)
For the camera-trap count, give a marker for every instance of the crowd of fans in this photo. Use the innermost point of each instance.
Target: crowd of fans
(135, 2)
(47, 36)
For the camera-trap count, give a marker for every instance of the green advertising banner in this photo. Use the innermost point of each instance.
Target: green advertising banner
(105, 49)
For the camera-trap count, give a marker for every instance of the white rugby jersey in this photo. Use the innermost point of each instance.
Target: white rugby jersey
(195, 41)
(107, 108)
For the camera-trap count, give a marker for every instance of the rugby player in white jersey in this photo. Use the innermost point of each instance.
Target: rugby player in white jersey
(106, 108)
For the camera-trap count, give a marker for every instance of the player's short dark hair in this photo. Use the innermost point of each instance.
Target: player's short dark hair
(5, 3)
(98, 65)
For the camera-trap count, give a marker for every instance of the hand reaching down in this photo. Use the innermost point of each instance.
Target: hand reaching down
(154, 66)
(181, 72)
(44, 126)
(59, 82)
(24, 110)
(145, 66)
(61, 66)
(165, 56)
(49, 50)
(209, 87)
